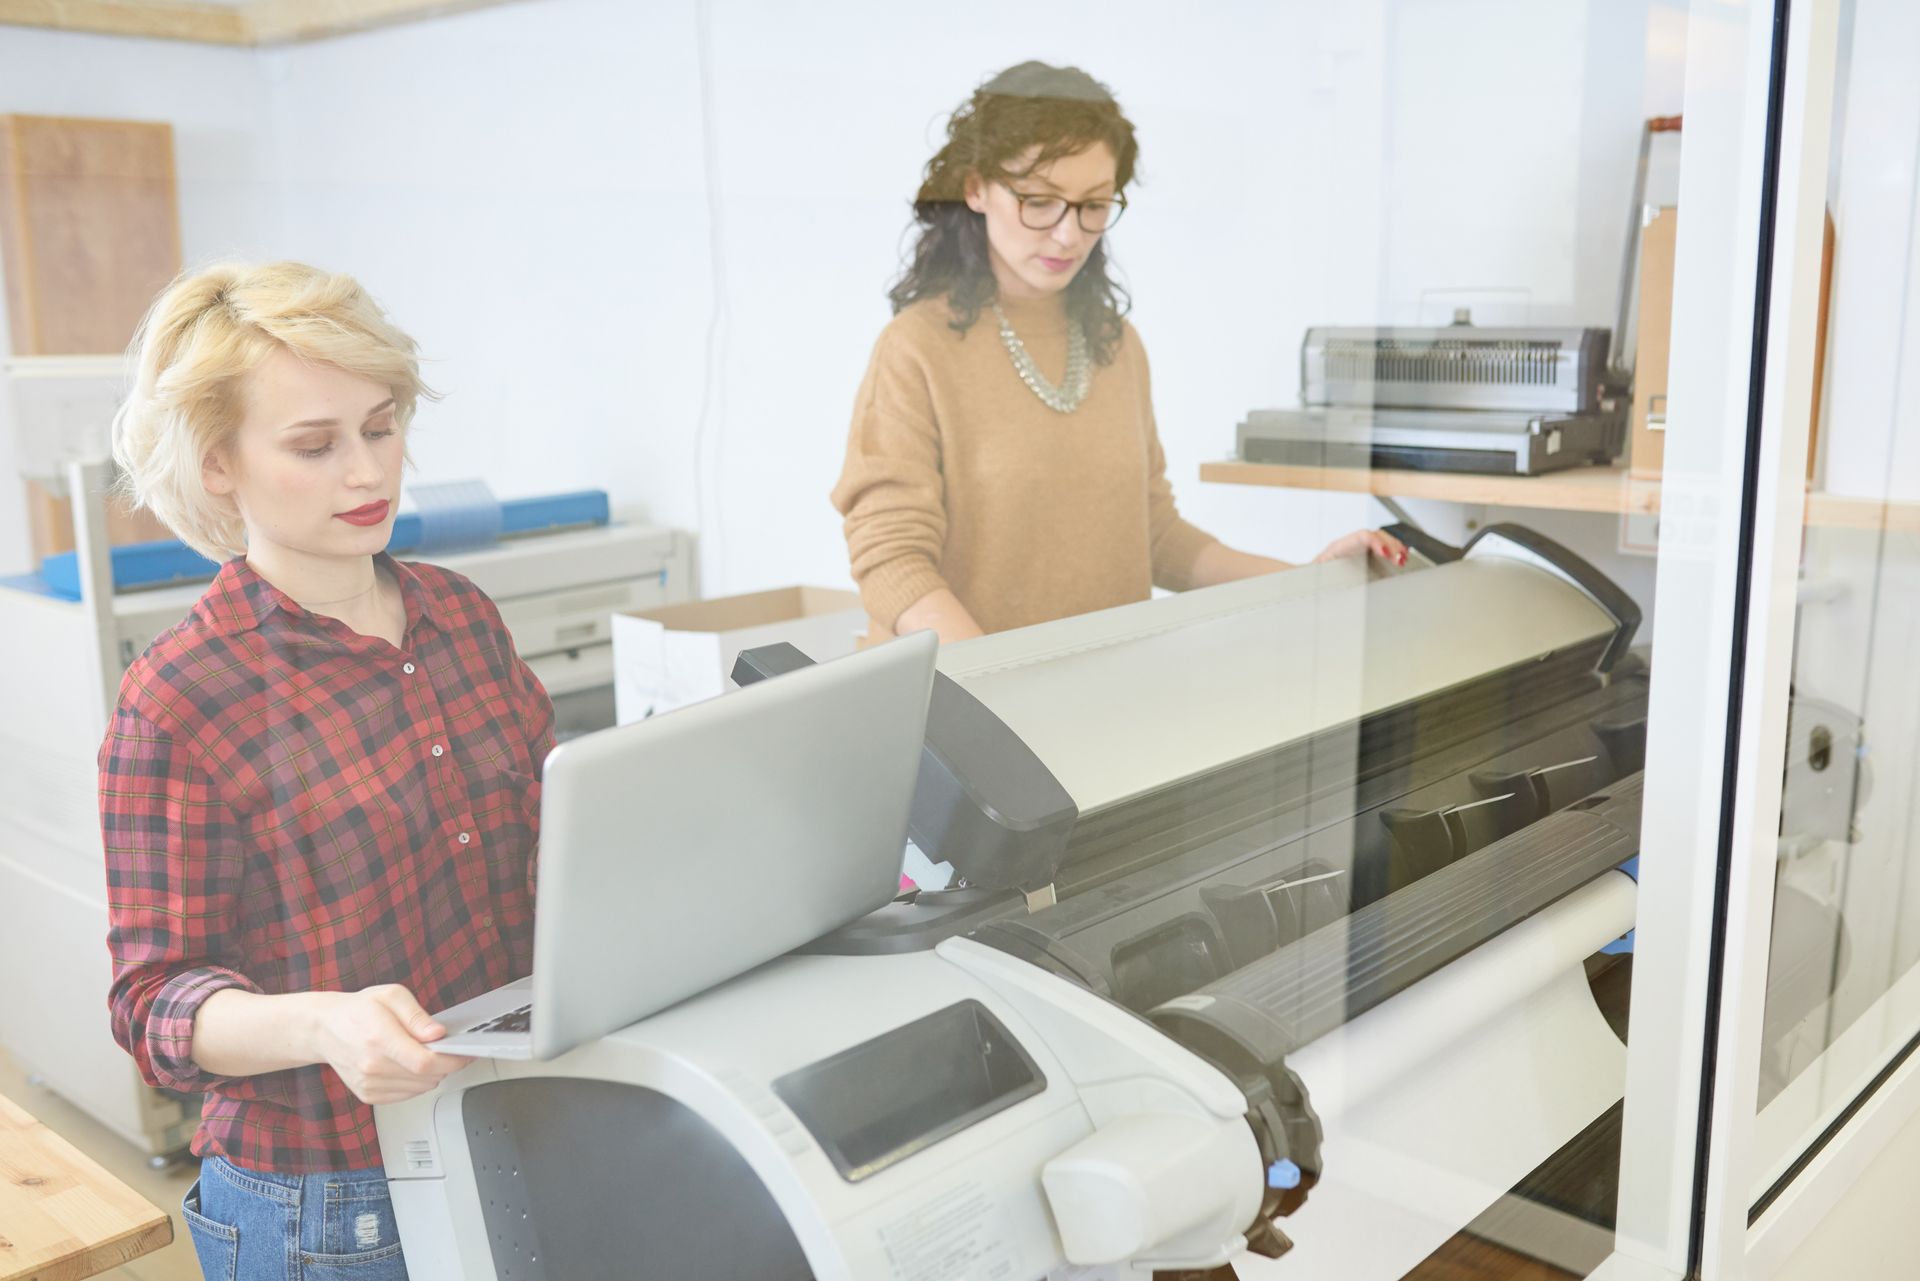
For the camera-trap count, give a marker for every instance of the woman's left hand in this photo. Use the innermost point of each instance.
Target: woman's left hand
(1364, 542)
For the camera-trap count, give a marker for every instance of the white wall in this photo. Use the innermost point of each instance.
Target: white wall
(1301, 163)
(522, 187)
(526, 188)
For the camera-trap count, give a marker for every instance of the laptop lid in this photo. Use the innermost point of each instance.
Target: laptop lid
(680, 851)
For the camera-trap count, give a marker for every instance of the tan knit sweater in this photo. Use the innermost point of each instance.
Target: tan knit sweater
(958, 476)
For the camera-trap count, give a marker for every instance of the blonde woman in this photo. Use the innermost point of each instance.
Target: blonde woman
(318, 792)
(1003, 466)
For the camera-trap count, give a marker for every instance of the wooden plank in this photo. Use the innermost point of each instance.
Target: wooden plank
(14, 253)
(61, 1216)
(89, 233)
(1587, 489)
(94, 230)
(1647, 445)
(258, 22)
(1838, 511)
(1820, 348)
(1468, 1258)
(50, 520)
(1462, 1257)
(154, 19)
(1583, 489)
(287, 21)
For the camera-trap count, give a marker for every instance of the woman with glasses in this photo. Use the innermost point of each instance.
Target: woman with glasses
(1003, 467)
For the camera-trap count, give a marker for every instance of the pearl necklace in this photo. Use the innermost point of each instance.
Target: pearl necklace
(1063, 399)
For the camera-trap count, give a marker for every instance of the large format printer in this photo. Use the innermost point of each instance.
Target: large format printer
(73, 628)
(1270, 917)
(1281, 927)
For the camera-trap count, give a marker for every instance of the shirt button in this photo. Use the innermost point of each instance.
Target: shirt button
(439, 750)
(466, 837)
(407, 668)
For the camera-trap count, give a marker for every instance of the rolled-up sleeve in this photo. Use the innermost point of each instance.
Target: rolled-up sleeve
(175, 857)
(891, 492)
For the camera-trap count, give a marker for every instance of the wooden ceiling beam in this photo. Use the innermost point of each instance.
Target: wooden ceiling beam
(289, 21)
(257, 22)
(199, 23)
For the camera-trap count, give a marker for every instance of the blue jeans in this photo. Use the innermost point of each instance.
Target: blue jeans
(252, 1225)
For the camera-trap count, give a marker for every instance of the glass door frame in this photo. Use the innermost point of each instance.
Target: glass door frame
(1759, 113)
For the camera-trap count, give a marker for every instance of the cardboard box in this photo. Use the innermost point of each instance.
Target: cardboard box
(50, 518)
(1647, 445)
(1815, 473)
(678, 654)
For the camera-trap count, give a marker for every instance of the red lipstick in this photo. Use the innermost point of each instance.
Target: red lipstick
(371, 514)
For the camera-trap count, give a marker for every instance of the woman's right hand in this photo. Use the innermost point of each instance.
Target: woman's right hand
(374, 1039)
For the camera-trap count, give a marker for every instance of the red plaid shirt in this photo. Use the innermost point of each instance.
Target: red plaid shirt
(289, 806)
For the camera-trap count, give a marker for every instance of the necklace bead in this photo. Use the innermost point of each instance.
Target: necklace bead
(1065, 398)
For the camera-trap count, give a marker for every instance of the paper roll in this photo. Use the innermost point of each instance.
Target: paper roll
(1387, 1043)
(1436, 1102)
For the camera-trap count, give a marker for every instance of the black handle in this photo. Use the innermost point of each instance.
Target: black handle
(1603, 591)
(1437, 550)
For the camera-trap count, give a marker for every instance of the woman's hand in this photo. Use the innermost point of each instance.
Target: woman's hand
(374, 1039)
(1365, 542)
(939, 611)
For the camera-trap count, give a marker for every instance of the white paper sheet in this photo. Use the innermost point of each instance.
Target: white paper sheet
(1440, 1100)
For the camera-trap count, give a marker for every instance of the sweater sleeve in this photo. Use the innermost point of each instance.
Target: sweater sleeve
(1174, 543)
(891, 492)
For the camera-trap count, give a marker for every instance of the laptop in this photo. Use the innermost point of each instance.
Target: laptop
(679, 851)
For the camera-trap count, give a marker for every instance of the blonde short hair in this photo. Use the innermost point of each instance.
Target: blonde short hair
(204, 333)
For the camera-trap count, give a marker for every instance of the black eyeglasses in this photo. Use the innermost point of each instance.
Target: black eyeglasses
(1043, 213)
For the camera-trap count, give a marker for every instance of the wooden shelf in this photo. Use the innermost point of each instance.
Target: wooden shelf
(1838, 511)
(1606, 490)
(65, 1217)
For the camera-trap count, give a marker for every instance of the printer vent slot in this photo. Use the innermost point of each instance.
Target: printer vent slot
(1508, 362)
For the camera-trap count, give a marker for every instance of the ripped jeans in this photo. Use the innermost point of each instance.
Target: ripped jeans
(252, 1225)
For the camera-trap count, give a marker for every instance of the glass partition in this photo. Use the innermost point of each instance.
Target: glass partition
(1319, 436)
(1842, 985)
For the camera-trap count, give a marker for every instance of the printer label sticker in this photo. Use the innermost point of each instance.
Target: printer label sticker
(956, 1237)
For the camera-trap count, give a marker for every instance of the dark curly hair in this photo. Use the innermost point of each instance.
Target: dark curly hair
(1061, 110)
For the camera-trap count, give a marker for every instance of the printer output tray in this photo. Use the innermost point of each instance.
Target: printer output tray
(1490, 443)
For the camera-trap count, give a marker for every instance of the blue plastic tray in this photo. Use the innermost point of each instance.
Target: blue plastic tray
(169, 561)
